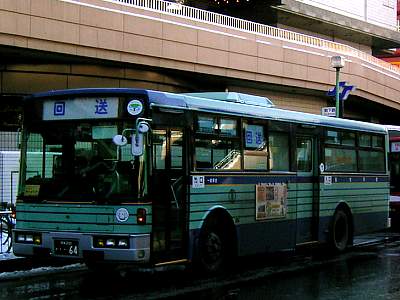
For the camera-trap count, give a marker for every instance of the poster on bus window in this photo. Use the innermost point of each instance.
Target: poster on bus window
(271, 201)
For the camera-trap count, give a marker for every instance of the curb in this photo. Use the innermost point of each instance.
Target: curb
(15, 264)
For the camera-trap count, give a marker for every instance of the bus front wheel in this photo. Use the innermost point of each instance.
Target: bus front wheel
(340, 232)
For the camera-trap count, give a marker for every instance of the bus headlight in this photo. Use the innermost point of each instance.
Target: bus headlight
(20, 238)
(123, 243)
(110, 243)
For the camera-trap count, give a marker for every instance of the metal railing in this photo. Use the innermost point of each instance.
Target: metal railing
(216, 19)
(7, 223)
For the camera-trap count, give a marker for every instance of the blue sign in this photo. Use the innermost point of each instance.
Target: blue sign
(344, 90)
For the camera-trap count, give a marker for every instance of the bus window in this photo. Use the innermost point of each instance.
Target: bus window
(279, 149)
(371, 161)
(304, 154)
(217, 154)
(370, 155)
(176, 149)
(338, 159)
(217, 144)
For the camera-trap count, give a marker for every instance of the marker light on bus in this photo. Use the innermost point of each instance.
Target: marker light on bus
(141, 216)
(28, 238)
(110, 242)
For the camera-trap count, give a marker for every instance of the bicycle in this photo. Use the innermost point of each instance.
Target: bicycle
(7, 224)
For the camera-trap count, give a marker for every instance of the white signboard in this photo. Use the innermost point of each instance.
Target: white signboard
(329, 111)
(81, 108)
(254, 136)
(395, 147)
(198, 182)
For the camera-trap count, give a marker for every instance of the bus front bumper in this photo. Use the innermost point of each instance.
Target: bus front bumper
(88, 246)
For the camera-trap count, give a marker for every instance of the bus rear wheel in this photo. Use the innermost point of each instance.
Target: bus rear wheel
(340, 234)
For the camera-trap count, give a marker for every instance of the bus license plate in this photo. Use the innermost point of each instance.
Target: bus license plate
(66, 247)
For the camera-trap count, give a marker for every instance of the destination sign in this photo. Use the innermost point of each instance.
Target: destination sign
(81, 108)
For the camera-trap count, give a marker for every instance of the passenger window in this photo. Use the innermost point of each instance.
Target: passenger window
(217, 144)
(339, 159)
(371, 161)
(217, 154)
(227, 127)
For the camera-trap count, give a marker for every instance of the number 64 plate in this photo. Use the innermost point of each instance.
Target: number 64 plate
(66, 247)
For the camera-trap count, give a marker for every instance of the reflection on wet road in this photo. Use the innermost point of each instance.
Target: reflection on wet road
(371, 272)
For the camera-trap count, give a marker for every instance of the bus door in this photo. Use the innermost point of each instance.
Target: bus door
(307, 189)
(168, 193)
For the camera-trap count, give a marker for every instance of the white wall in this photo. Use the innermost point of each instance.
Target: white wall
(9, 175)
(378, 12)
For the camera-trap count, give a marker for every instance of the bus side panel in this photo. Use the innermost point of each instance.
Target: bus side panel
(237, 194)
(366, 196)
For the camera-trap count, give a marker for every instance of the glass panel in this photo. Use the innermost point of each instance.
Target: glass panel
(332, 137)
(348, 138)
(304, 155)
(364, 140)
(159, 148)
(394, 159)
(207, 124)
(228, 127)
(78, 162)
(34, 156)
(256, 150)
(377, 141)
(217, 154)
(279, 149)
(337, 159)
(371, 161)
(176, 149)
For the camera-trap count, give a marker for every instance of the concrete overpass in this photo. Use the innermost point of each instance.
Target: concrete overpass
(57, 44)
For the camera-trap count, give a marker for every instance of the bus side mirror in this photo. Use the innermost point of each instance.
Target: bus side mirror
(143, 127)
(120, 140)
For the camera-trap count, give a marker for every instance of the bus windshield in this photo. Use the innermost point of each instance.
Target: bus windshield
(78, 161)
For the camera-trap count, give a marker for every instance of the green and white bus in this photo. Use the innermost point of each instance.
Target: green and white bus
(142, 177)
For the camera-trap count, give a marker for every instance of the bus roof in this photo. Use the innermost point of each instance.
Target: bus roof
(208, 103)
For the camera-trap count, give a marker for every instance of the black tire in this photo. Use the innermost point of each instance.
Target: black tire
(340, 231)
(213, 248)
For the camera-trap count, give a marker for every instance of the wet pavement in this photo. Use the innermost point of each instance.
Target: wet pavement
(368, 272)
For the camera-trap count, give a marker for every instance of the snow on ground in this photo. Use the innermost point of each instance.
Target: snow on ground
(4, 256)
(40, 271)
